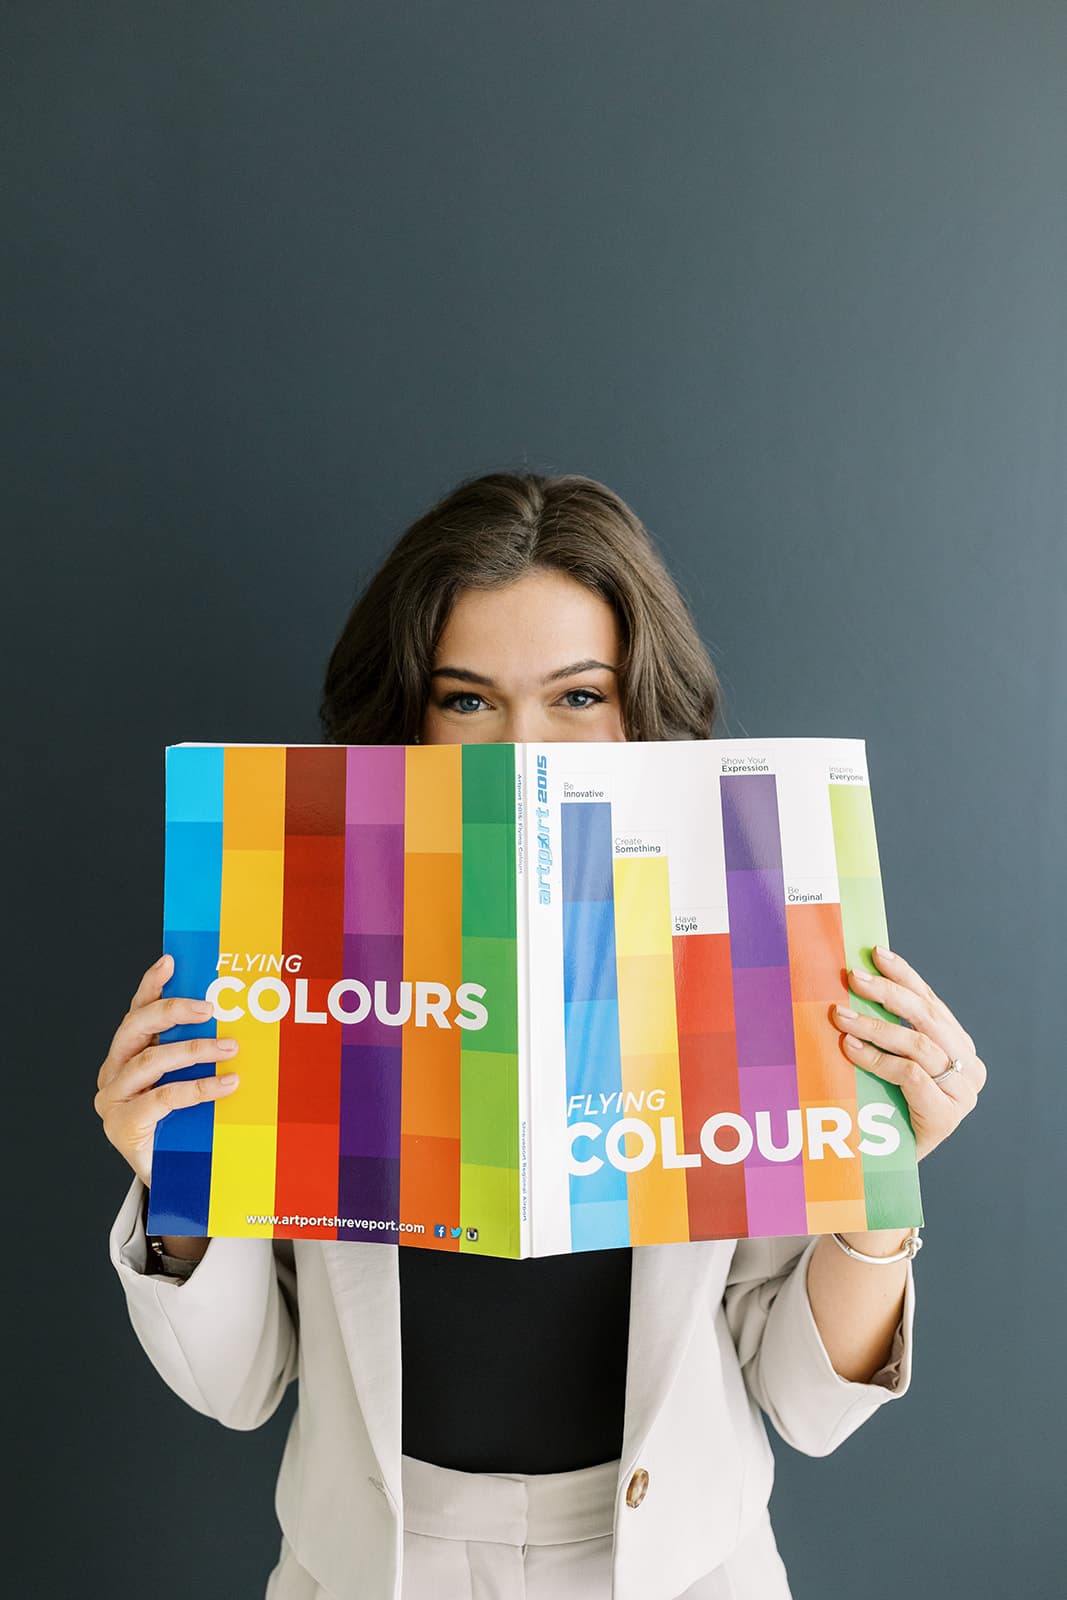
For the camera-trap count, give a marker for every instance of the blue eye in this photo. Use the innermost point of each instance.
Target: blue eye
(451, 701)
(455, 701)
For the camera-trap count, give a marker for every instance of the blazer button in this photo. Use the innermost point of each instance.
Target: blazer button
(637, 1488)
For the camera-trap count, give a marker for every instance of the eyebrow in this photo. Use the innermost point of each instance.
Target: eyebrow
(468, 676)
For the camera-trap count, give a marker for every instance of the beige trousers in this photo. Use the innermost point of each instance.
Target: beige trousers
(488, 1536)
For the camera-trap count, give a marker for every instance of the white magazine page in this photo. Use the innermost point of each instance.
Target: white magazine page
(643, 824)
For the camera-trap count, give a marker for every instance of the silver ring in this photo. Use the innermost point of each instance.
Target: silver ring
(957, 1066)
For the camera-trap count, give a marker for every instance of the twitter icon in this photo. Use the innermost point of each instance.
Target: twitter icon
(455, 1232)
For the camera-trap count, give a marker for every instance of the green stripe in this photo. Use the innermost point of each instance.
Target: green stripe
(890, 1183)
(489, 783)
(489, 880)
(489, 1090)
(859, 881)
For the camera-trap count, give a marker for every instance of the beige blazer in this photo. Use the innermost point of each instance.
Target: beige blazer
(718, 1330)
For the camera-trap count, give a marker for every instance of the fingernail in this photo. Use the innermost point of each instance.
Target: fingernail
(861, 977)
(157, 964)
(228, 1080)
(886, 955)
(850, 1038)
(203, 1008)
(228, 1045)
(843, 1011)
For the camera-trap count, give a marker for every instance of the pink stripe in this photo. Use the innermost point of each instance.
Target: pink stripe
(374, 783)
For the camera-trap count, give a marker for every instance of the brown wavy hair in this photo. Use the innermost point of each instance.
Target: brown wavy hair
(489, 531)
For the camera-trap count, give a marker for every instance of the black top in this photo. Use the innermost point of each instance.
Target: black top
(514, 1366)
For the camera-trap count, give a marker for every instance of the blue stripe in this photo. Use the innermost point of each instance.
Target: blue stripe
(194, 784)
(589, 950)
(600, 1226)
(192, 881)
(586, 850)
(192, 899)
(599, 1206)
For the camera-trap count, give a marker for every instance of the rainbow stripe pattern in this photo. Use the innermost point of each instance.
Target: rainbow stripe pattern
(733, 1022)
(317, 864)
(653, 1074)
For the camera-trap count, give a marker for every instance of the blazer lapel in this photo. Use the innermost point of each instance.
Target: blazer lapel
(365, 1280)
(669, 1287)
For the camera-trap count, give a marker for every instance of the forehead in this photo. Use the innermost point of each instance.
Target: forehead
(529, 626)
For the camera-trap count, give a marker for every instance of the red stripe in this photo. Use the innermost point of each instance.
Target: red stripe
(707, 1057)
(309, 1068)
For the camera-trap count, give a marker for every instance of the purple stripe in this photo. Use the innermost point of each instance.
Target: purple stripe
(373, 958)
(368, 1188)
(750, 823)
(771, 1089)
(763, 999)
(763, 1012)
(374, 878)
(757, 919)
(774, 1200)
(767, 1081)
(371, 1053)
(370, 1100)
(374, 783)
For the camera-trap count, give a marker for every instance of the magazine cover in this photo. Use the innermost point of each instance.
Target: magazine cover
(695, 909)
(527, 999)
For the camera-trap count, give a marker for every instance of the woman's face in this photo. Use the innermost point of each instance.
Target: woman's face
(534, 662)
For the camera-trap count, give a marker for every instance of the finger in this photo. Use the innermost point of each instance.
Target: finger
(895, 967)
(933, 1116)
(186, 1092)
(139, 1028)
(130, 1125)
(149, 1065)
(904, 1002)
(913, 1079)
(891, 1037)
(152, 982)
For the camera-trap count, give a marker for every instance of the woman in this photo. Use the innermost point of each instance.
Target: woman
(579, 1425)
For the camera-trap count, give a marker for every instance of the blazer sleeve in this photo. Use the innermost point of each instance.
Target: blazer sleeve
(783, 1360)
(225, 1338)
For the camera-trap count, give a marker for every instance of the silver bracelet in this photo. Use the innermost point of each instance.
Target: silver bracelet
(168, 1266)
(909, 1250)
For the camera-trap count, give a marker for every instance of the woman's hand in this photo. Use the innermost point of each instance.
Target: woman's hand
(912, 1057)
(125, 1100)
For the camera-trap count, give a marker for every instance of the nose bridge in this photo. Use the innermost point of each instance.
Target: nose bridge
(523, 722)
(525, 725)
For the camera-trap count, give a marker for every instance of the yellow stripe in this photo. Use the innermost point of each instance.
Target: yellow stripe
(648, 1036)
(253, 855)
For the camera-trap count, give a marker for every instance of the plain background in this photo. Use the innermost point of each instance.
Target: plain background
(790, 278)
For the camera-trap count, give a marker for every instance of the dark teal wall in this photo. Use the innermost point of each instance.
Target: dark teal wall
(790, 277)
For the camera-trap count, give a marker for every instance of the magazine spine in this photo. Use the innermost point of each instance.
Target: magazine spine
(522, 985)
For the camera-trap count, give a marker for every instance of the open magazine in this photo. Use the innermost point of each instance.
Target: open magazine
(518, 1000)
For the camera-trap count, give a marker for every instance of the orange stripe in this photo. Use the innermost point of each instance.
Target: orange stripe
(825, 1076)
(433, 949)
